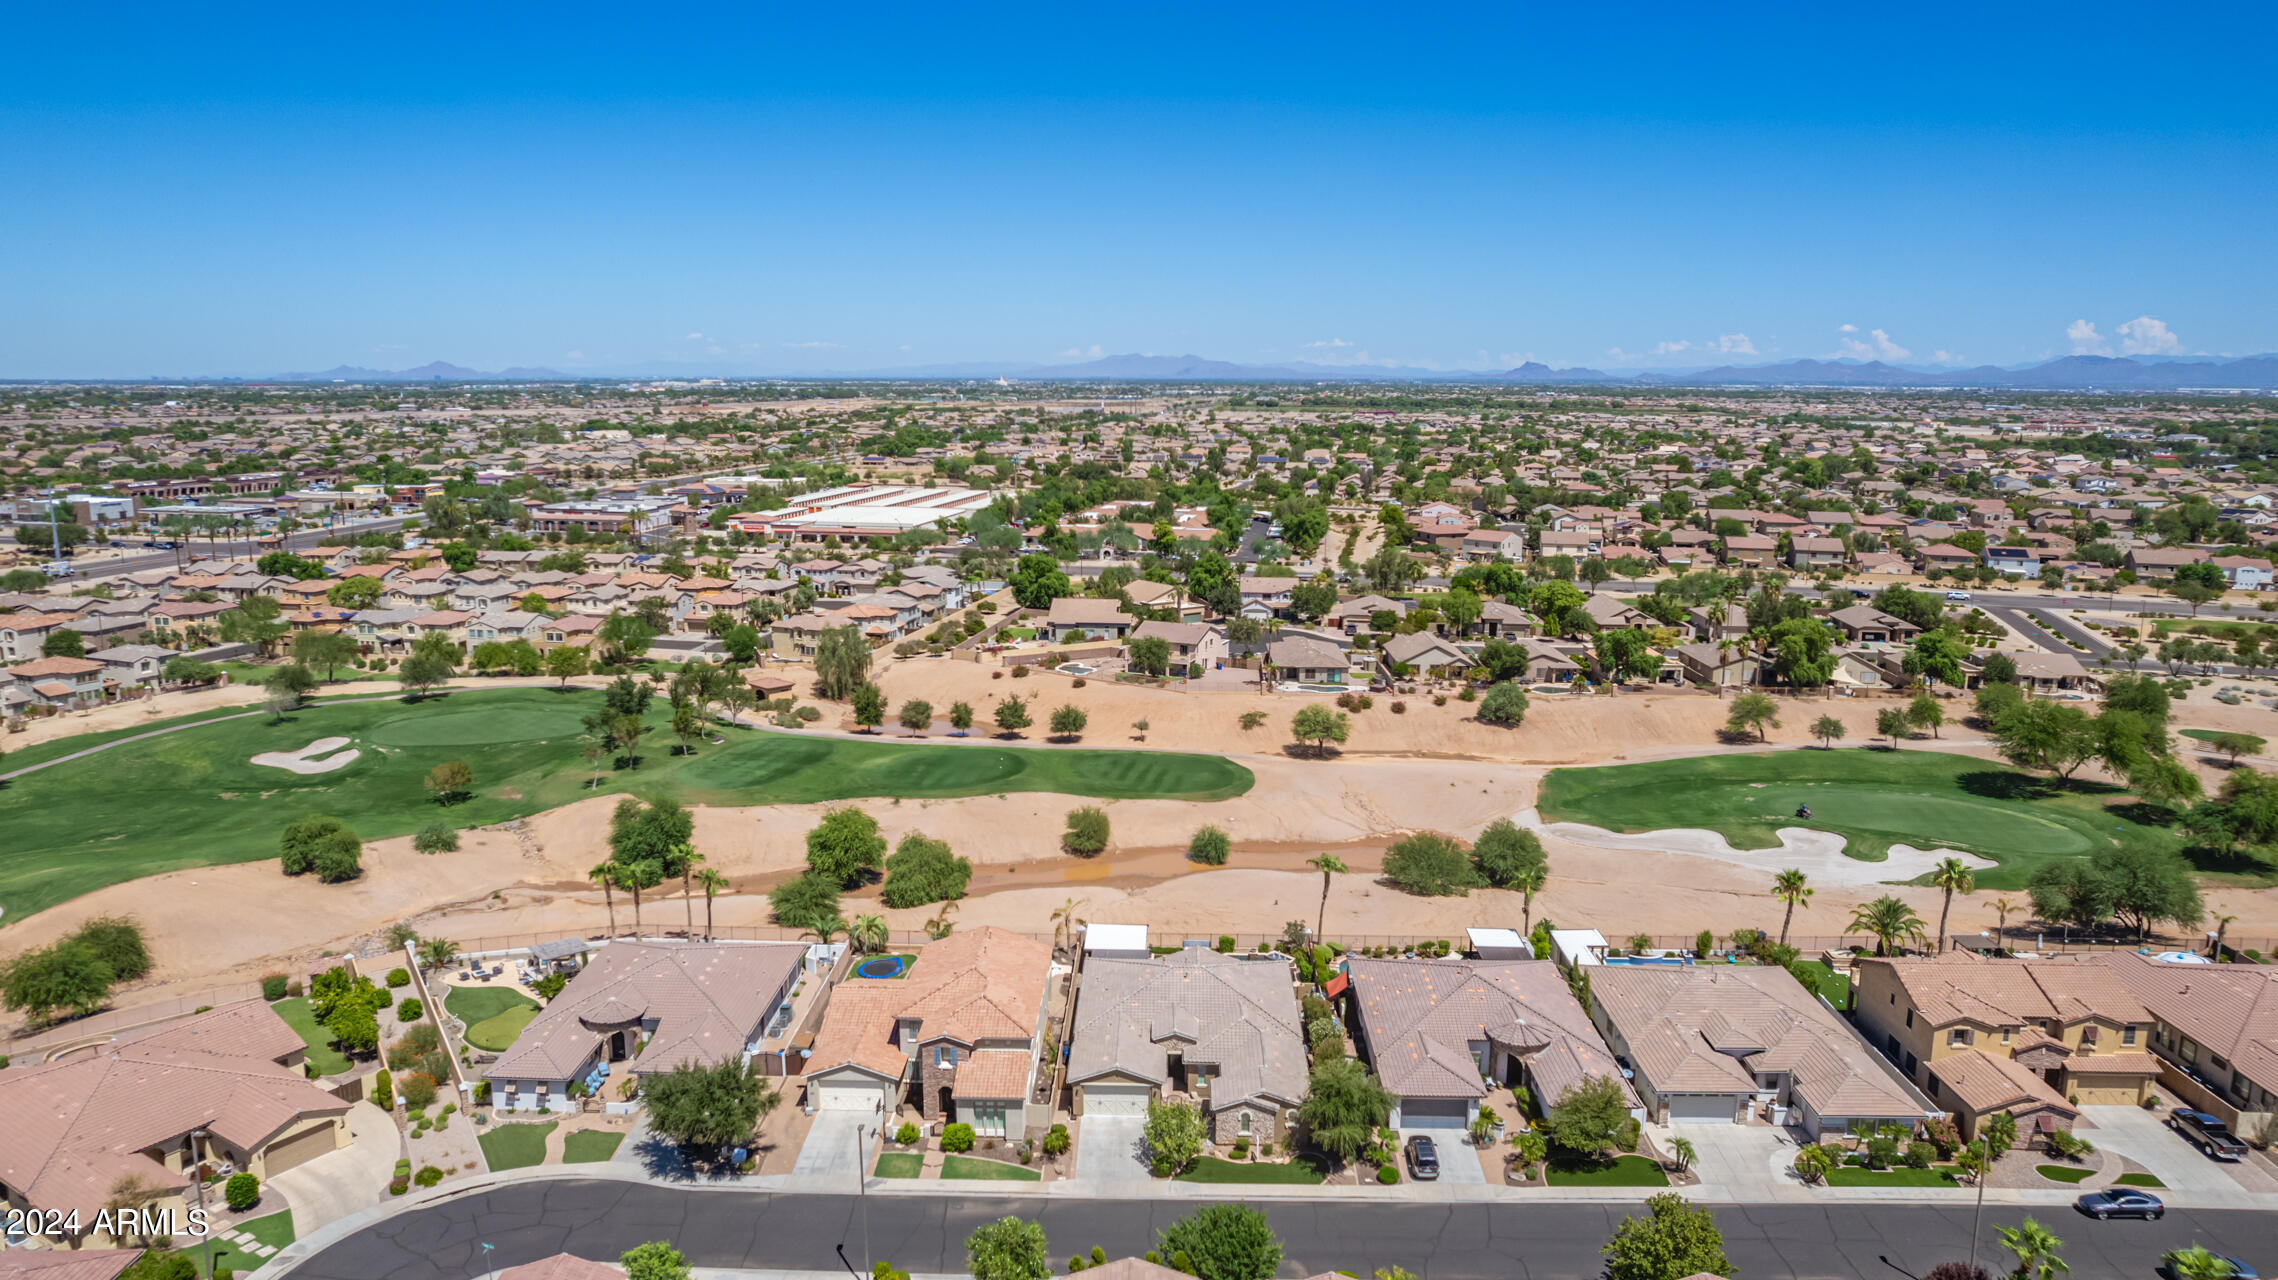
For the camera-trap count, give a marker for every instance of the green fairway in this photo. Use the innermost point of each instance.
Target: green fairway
(322, 1053)
(194, 798)
(1872, 798)
(515, 1146)
(977, 1169)
(590, 1146)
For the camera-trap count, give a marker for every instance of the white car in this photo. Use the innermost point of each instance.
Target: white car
(1957, 595)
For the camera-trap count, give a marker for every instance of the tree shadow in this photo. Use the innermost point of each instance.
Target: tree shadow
(2006, 784)
(2211, 860)
(1301, 751)
(1736, 737)
(2144, 814)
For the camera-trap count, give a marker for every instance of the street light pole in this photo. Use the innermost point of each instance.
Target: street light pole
(197, 1161)
(862, 1193)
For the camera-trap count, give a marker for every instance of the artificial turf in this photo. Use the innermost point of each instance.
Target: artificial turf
(977, 1169)
(2138, 1180)
(193, 798)
(323, 1054)
(1874, 799)
(274, 1230)
(590, 1146)
(494, 1015)
(2063, 1172)
(515, 1146)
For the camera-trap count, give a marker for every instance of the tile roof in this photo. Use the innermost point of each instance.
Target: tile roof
(1678, 1020)
(70, 1130)
(2232, 1009)
(703, 1002)
(1237, 1016)
(66, 1264)
(974, 985)
(562, 1266)
(1420, 1017)
(1991, 1082)
(1962, 986)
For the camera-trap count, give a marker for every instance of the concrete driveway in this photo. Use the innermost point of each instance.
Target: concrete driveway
(349, 1180)
(1109, 1149)
(2143, 1136)
(1459, 1163)
(1743, 1161)
(834, 1151)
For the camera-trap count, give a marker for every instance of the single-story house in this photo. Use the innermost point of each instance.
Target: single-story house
(1223, 1030)
(1300, 660)
(1425, 653)
(1093, 619)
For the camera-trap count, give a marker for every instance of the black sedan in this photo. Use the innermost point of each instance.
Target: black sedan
(2121, 1204)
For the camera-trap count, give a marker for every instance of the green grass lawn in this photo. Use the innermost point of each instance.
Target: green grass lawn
(1833, 985)
(2063, 1172)
(514, 1146)
(1625, 1171)
(1213, 1169)
(900, 1164)
(321, 1051)
(494, 1015)
(977, 1169)
(590, 1146)
(1853, 1176)
(1874, 799)
(2138, 1180)
(274, 1230)
(68, 836)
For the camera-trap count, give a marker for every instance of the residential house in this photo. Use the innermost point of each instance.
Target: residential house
(1495, 544)
(1863, 624)
(1355, 615)
(2017, 562)
(1073, 616)
(1723, 665)
(1751, 551)
(1726, 1042)
(2158, 564)
(1164, 596)
(1439, 1033)
(1806, 554)
(133, 665)
(1501, 621)
(1303, 660)
(1266, 597)
(1222, 1030)
(957, 1037)
(1424, 654)
(1191, 642)
(646, 1007)
(59, 684)
(2245, 573)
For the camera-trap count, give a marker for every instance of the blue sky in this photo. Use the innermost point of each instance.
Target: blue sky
(239, 189)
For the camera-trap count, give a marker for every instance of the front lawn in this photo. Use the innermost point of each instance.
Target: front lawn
(1852, 1176)
(322, 1052)
(2063, 1172)
(1213, 1169)
(275, 1230)
(515, 1146)
(900, 1164)
(2138, 1180)
(1625, 1171)
(1872, 798)
(973, 1167)
(524, 744)
(590, 1146)
(494, 1015)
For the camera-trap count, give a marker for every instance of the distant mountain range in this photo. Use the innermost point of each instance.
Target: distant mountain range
(2067, 373)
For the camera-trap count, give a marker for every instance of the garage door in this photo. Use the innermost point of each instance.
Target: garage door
(1702, 1106)
(1116, 1099)
(1434, 1113)
(298, 1150)
(847, 1095)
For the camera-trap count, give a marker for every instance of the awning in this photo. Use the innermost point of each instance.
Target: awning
(1336, 986)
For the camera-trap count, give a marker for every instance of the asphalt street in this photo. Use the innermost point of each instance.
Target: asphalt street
(1456, 1241)
(195, 548)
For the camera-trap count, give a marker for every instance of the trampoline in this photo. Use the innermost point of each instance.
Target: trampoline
(880, 967)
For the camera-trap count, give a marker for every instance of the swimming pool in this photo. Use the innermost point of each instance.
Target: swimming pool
(1316, 688)
(1637, 960)
(1073, 669)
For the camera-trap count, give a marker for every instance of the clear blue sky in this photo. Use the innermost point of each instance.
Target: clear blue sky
(238, 189)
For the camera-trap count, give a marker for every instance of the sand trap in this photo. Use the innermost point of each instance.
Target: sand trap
(1818, 853)
(306, 760)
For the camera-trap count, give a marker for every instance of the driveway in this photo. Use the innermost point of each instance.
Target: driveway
(833, 1150)
(1742, 1161)
(2143, 1136)
(1108, 1149)
(349, 1180)
(1459, 1163)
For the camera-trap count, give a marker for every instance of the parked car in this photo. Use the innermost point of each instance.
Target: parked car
(2206, 1132)
(1957, 595)
(2238, 1269)
(1423, 1158)
(2121, 1203)
(57, 568)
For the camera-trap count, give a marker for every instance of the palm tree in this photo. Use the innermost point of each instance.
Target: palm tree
(1330, 866)
(939, 927)
(2003, 908)
(2222, 925)
(605, 875)
(1064, 922)
(828, 928)
(687, 857)
(1789, 885)
(868, 933)
(711, 882)
(1953, 876)
(1529, 883)
(1682, 1148)
(2035, 1248)
(1889, 921)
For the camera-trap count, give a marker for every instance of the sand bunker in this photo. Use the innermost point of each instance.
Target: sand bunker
(1818, 853)
(307, 759)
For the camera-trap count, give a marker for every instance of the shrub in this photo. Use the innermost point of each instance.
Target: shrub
(1087, 832)
(399, 977)
(1225, 943)
(409, 1010)
(418, 1089)
(1504, 705)
(241, 1192)
(1388, 1175)
(957, 1137)
(1919, 1155)
(401, 1184)
(428, 1176)
(1430, 865)
(907, 1135)
(383, 1091)
(272, 986)
(1210, 846)
(436, 837)
(1399, 708)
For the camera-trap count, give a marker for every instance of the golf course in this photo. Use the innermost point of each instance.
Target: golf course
(1873, 798)
(195, 798)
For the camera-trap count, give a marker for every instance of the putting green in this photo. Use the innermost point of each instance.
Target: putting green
(1874, 799)
(194, 798)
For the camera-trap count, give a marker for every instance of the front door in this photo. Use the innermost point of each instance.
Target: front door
(987, 1118)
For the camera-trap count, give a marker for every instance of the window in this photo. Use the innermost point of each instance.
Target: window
(2190, 1051)
(1910, 1017)
(1958, 1036)
(2127, 1037)
(1242, 1124)
(944, 1056)
(2005, 1035)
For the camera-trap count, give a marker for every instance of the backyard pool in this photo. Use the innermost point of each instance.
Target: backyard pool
(1315, 688)
(1635, 960)
(1074, 669)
